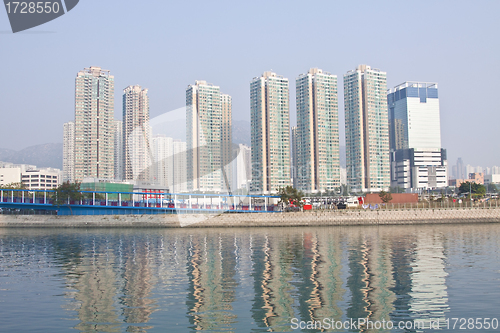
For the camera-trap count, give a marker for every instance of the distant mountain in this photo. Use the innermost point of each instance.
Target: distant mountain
(241, 132)
(5, 154)
(48, 155)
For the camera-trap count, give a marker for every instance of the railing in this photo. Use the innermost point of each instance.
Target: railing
(44, 199)
(143, 202)
(442, 204)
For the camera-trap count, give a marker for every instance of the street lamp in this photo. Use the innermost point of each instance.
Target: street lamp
(470, 191)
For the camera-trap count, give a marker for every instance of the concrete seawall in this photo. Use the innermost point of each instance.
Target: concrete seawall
(314, 218)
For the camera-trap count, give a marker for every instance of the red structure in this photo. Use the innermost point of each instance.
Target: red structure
(374, 198)
(153, 194)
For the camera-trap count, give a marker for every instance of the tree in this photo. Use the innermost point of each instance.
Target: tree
(65, 193)
(13, 186)
(492, 188)
(477, 190)
(397, 189)
(289, 195)
(97, 196)
(385, 196)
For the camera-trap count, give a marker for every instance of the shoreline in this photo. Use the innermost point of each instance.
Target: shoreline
(290, 219)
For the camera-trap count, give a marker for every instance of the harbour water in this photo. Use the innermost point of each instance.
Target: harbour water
(251, 279)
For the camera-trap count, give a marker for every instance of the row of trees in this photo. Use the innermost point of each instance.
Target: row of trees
(290, 196)
(344, 190)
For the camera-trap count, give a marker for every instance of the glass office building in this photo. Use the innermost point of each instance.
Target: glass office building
(417, 159)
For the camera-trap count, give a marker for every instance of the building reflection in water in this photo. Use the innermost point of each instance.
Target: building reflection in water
(216, 279)
(212, 284)
(138, 279)
(96, 289)
(402, 257)
(370, 281)
(111, 284)
(262, 309)
(382, 280)
(429, 296)
(328, 276)
(300, 275)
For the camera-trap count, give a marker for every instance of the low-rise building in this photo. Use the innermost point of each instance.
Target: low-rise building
(475, 177)
(10, 176)
(11, 173)
(492, 179)
(105, 185)
(416, 169)
(150, 191)
(397, 198)
(41, 179)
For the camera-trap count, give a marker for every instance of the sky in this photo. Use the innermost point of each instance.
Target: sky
(166, 45)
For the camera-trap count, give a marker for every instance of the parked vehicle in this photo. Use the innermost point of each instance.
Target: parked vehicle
(351, 202)
(341, 205)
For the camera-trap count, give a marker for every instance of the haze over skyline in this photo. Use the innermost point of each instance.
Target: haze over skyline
(165, 47)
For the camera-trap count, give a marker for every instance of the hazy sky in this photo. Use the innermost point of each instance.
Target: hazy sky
(167, 45)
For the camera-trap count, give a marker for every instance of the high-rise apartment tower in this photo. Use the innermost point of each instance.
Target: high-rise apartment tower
(208, 134)
(94, 124)
(294, 159)
(118, 150)
(180, 173)
(163, 161)
(366, 129)
(226, 144)
(317, 131)
(270, 131)
(137, 162)
(69, 152)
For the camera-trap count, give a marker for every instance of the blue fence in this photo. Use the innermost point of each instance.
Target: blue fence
(123, 203)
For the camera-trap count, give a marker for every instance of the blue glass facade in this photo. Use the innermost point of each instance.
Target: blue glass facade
(423, 93)
(417, 159)
(398, 111)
